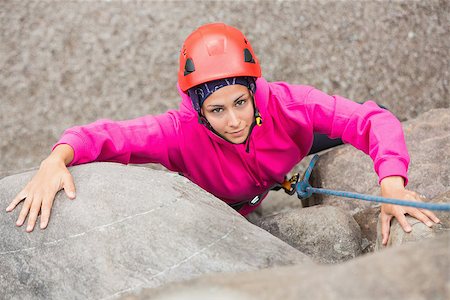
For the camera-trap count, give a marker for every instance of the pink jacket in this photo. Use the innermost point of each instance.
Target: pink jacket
(290, 113)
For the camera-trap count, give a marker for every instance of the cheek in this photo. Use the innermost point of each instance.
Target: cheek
(216, 123)
(249, 114)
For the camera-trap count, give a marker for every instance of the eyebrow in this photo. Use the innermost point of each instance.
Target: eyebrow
(219, 105)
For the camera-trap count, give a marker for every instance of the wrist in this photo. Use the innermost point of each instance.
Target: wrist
(62, 153)
(392, 182)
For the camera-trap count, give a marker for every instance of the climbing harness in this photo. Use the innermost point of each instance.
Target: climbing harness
(305, 190)
(237, 206)
(288, 186)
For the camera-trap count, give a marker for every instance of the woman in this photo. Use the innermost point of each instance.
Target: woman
(235, 134)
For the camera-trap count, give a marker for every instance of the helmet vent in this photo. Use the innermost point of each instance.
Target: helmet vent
(248, 57)
(189, 67)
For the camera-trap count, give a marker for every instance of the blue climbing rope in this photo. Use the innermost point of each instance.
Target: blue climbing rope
(305, 190)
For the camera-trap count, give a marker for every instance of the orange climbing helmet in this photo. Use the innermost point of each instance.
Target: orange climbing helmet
(216, 51)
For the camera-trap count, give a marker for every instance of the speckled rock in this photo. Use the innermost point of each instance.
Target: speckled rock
(415, 271)
(367, 220)
(348, 169)
(66, 63)
(327, 234)
(419, 231)
(128, 228)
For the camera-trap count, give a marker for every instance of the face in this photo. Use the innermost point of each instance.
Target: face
(230, 112)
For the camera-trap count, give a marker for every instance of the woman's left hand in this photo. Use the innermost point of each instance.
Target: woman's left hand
(393, 187)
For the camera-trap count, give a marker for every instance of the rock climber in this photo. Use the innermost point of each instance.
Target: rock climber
(235, 134)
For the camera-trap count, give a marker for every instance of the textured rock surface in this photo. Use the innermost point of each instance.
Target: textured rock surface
(419, 230)
(64, 63)
(327, 234)
(367, 220)
(129, 228)
(348, 169)
(415, 271)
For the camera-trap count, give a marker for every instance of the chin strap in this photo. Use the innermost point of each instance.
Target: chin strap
(257, 115)
(258, 118)
(257, 122)
(202, 120)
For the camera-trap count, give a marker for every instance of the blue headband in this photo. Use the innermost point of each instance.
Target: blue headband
(199, 93)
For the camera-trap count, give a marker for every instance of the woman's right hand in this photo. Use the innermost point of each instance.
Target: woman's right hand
(40, 192)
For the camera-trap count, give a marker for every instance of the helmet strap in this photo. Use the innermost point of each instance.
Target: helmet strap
(257, 115)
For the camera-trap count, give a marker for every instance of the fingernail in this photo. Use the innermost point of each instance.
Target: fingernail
(18, 223)
(71, 194)
(429, 224)
(7, 209)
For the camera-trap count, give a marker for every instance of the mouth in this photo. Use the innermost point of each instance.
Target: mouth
(237, 133)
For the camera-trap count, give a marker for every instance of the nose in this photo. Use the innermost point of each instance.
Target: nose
(233, 119)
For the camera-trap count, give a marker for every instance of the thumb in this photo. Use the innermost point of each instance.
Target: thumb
(69, 186)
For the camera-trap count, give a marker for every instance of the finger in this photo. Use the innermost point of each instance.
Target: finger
(20, 197)
(403, 222)
(69, 186)
(426, 212)
(431, 215)
(34, 211)
(420, 216)
(24, 211)
(45, 211)
(385, 228)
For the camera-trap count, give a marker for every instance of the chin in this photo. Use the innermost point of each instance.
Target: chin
(238, 140)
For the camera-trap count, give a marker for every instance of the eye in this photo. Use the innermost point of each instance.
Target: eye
(241, 102)
(217, 110)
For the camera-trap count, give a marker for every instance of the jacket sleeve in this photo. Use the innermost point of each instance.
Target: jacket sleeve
(148, 139)
(369, 128)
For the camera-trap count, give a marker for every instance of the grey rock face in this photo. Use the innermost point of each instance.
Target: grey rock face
(348, 169)
(327, 234)
(415, 271)
(66, 63)
(128, 228)
(419, 231)
(367, 220)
